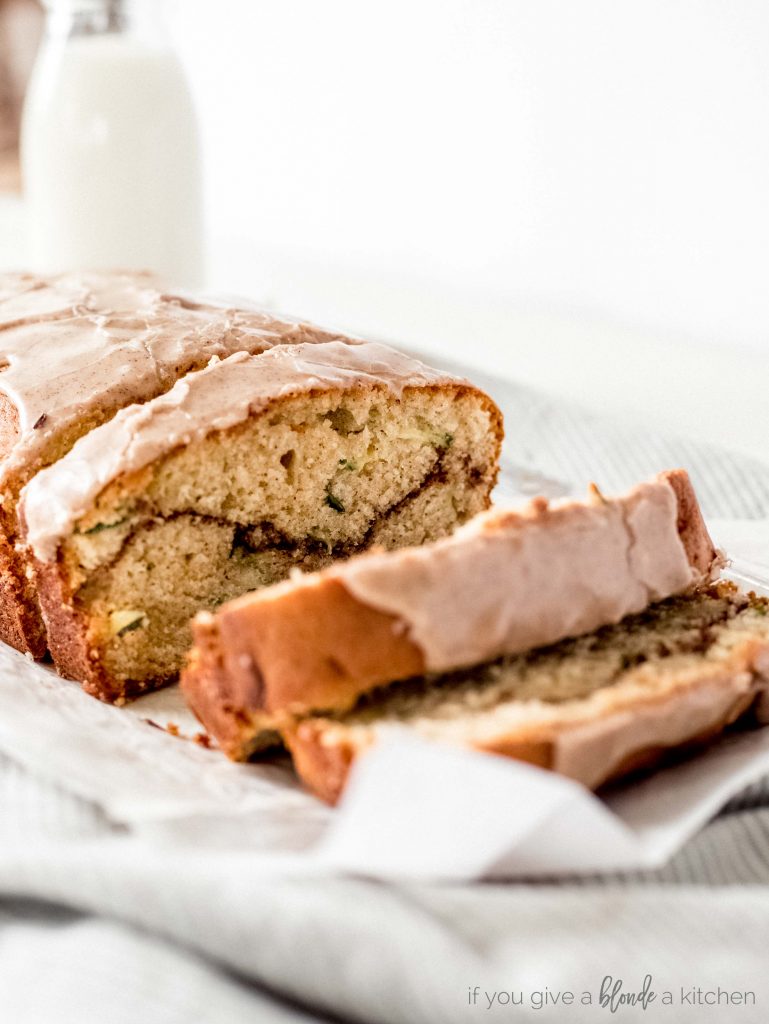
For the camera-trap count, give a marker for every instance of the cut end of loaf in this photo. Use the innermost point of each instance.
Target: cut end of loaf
(312, 479)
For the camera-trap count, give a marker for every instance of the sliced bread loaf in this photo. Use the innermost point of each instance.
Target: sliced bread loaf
(243, 471)
(73, 350)
(594, 709)
(506, 582)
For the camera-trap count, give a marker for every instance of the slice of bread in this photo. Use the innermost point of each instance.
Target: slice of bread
(508, 581)
(76, 348)
(242, 472)
(594, 709)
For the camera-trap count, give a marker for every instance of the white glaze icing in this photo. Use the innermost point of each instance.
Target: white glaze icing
(509, 581)
(219, 397)
(79, 346)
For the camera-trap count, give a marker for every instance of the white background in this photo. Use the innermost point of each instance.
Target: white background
(571, 192)
(610, 155)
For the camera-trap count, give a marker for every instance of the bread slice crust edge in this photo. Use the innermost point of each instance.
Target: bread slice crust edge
(320, 647)
(686, 718)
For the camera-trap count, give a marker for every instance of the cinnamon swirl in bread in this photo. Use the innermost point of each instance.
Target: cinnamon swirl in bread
(243, 471)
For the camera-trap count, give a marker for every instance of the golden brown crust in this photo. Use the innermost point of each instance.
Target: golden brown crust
(255, 660)
(11, 628)
(322, 767)
(208, 693)
(67, 632)
(20, 622)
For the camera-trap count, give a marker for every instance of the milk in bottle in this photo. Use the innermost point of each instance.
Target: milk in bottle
(110, 157)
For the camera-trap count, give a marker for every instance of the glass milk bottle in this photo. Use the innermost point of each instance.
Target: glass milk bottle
(110, 159)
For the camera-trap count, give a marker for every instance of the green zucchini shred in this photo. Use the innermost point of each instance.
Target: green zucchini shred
(103, 526)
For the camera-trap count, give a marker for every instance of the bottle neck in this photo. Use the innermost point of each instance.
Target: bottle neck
(68, 19)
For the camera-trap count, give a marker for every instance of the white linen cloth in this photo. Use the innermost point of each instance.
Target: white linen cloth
(103, 922)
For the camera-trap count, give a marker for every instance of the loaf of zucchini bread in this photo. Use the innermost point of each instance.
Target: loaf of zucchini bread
(595, 709)
(76, 348)
(509, 581)
(243, 471)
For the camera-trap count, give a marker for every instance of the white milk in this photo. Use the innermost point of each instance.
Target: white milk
(110, 160)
